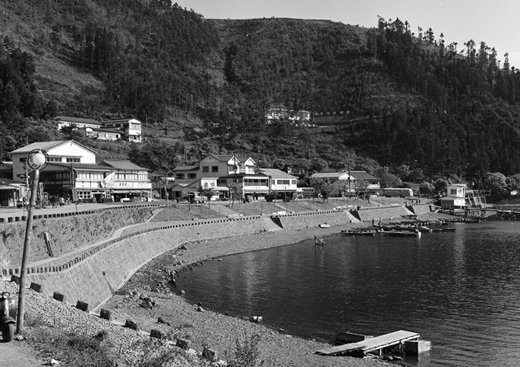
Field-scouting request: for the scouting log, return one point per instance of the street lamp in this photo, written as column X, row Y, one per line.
column 36, row 160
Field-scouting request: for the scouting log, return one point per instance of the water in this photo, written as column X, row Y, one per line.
column 460, row 290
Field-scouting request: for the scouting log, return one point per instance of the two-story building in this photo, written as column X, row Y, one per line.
column 63, row 151
column 72, row 172
column 130, row 128
column 127, row 181
column 77, row 122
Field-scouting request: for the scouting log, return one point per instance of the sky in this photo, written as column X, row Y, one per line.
column 459, row 20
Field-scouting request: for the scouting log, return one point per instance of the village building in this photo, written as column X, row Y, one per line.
column 77, row 122
column 73, row 173
column 130, row 128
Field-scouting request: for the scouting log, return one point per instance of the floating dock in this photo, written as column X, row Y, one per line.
column 372, row 344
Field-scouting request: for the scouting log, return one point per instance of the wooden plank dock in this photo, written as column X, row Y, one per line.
column 371, row 344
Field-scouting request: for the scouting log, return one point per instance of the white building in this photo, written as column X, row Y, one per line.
column 67, row 151
column 130, row 128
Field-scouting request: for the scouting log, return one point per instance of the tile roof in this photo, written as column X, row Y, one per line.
column 77, row 119
column 124, row 165
column 276, row 173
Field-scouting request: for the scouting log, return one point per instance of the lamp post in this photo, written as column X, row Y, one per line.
column 36, row 160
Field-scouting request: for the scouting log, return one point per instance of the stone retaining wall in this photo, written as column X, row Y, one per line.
column 94, row 275
column 93, row 279
column 66, row 233
column 377, row 213
column 314, row 219
column 420, row 209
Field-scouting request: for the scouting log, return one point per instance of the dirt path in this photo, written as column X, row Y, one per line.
column 18, row 354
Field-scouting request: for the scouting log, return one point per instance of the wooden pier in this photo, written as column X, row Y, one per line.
column 372, row 344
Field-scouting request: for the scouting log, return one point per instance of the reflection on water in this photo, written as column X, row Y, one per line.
column 460, row 290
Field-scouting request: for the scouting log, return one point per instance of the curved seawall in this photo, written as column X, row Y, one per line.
column 94, row 275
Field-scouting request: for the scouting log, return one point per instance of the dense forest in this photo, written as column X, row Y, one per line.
column 382, row 98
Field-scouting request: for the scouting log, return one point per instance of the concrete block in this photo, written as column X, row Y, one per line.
column 83, row 306
column 417, row 347
column 183, row 343
column 209, row 354
column 36, row 287
column 131, row 325
column 105, row 314
column 157, row 334
column 58, row 297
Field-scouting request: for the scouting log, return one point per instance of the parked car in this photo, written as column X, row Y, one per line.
column 194, row 197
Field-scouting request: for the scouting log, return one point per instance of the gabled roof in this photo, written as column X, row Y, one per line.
column 335, row 175
column 124, row 165
column 276, row 173
column 48, row 145
column 362, row 175
column 77, row 120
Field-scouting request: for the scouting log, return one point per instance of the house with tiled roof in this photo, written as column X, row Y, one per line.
column 78, row 122
column 64, row 151
column 127, row 181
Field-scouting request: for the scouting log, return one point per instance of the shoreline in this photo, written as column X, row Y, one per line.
column 219, row 331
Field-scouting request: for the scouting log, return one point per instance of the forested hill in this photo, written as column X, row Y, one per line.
column 380, row 96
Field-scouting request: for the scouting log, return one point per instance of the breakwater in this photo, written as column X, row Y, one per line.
column 94, row 275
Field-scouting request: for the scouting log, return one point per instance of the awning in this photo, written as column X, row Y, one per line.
column 220, row 188
column 8, row 187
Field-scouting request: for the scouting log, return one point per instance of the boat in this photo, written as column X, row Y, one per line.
column 368, row 232
column 324, row 225
column 451, row 229
column 401, row 233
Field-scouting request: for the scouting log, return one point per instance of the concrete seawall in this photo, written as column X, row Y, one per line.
column 93, row 277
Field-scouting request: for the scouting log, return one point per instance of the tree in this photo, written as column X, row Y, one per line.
column 206, row 192
column 441, row 185
column 496, row 183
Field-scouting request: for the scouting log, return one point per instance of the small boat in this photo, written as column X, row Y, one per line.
column 451, row 229
column 368, row 232
column 401, row 233
column 324, row 225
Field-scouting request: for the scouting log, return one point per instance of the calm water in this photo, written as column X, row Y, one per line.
column 460, row 290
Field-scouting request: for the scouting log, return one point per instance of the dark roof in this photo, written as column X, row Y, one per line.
column 186, row 168
column 276, row 173
column 77, row 166
column 362, row 175
column 125, row 165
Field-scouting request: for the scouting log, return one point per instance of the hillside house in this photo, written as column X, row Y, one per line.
column 77, row 122
column 130, row 128
column 276, row 112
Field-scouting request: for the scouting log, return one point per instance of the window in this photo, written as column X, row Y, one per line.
column 205, row 169
column 283, row 182
column 192, row 176
column 453, row 192
column 22, row 160
column 293, row 182
column 73, row 160
column 55, row 159
column 214, row 169
column 179, row 176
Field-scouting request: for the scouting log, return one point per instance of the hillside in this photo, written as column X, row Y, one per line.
column 379, row 97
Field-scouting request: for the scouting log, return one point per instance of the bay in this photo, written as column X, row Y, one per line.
column 460, row 290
